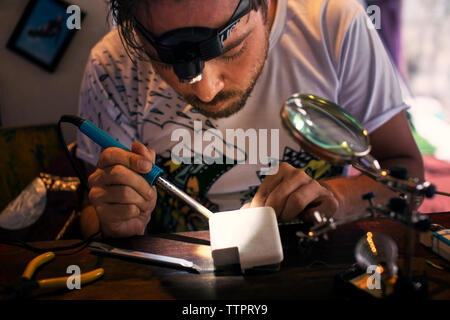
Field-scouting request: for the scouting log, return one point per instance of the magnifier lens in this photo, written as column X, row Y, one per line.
column 326, row 126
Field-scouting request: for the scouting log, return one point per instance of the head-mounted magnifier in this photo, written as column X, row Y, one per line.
column 187, row 49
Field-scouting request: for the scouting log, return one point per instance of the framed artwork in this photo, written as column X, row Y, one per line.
column 42, row 35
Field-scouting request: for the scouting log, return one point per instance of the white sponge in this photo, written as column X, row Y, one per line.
column 249, row 237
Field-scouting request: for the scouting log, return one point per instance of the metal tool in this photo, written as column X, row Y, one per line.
column 165, row 184
column 154, row 177
column 165, row 260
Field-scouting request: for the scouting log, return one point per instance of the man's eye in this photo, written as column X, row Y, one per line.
column 234, row 56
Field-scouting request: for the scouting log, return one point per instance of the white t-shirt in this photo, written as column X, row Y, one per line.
column 320, row 47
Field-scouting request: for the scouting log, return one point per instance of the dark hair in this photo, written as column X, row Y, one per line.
column 124, row 11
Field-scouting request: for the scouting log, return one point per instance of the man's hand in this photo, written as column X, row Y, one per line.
column 291, row 192
column 122, row 198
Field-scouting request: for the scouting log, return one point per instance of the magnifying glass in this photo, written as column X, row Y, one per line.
column 329, row 132
column 324, row 129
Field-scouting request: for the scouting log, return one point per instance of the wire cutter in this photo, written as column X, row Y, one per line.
column 24, row 286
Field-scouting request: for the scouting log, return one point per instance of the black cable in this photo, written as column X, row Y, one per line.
column 27, row 246
column 436, row 213
column 67, row 152
column 83, row 243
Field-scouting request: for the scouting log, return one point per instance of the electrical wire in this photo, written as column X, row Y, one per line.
column 69, row 156
column 29, row 247
column 78, row 245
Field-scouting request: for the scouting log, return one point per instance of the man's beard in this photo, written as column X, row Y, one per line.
column 238, row 98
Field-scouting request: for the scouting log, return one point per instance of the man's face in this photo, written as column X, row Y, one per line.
column 228, row 79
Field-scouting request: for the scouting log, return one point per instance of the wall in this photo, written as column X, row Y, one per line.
column 30, row 95
column 426, row 27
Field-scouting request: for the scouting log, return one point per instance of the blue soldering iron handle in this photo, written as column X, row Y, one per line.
column 106, row 141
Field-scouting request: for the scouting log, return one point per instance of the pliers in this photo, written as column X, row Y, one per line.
column 24, row 286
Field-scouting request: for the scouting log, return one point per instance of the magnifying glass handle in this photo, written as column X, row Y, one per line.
column 443, row 193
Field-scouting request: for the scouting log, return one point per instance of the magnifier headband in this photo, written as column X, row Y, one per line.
column 186, row 49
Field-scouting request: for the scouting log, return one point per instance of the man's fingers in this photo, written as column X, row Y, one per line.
column 120, row 194
column 275, row 190
column 246, row 205
column 121, row 220
column 265, row 189
column 142, row 150
column 308, row 198
column 117, row 213
column 122, row 198
column 295, row 203
column 116, row 156
column 121, row 175
column 324, row 205
column 278, row 196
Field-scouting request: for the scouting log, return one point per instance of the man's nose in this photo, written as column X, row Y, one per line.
column 211, row 84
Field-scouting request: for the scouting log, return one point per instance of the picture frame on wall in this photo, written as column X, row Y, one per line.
column 41, row 35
